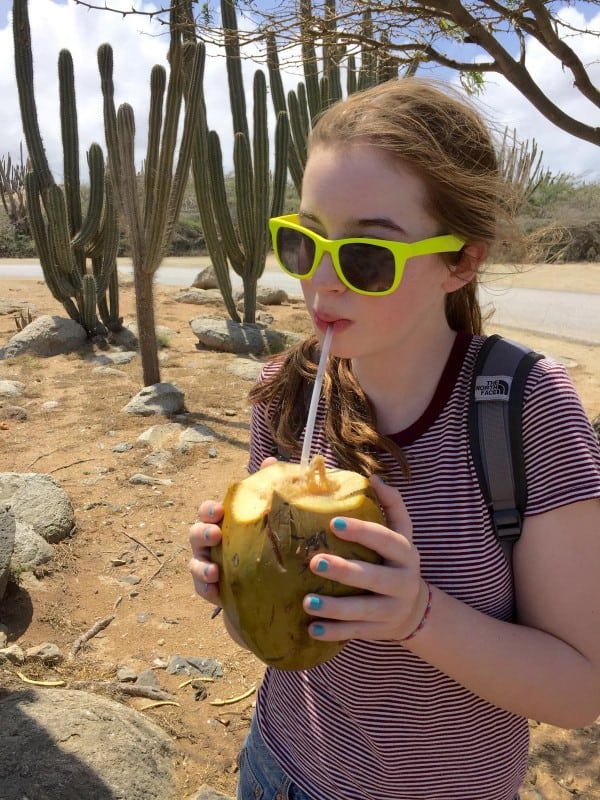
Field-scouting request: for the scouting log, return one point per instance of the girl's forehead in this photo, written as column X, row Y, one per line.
column 360, row 181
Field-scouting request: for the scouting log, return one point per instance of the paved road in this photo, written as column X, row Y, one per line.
column 568, row 315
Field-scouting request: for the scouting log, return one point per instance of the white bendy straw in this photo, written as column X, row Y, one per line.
column 314, row 400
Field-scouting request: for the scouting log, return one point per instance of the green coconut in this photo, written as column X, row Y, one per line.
column 274, row 522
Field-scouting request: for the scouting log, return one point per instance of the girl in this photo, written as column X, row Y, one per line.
column 450, row 652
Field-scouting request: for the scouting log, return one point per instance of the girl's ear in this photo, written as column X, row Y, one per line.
column 470, row 258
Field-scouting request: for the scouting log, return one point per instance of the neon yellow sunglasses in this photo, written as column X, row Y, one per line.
column 366, row 266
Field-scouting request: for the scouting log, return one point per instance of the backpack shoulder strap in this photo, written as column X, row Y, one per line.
column 495, row 411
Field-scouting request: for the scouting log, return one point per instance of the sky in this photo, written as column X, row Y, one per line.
column 138, row 45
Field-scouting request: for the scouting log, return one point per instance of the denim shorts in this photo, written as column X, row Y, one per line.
column 261, row 777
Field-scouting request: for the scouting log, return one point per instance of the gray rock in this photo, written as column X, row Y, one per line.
column 196, row 434
column 174, row 434
column 199, row 297
column 159, row 436
column 46, row 336
column 11, row 388
column 225, row 335
column 148, row 678
column 122, row 447
column 14, row 413
column 39, row 501
column 15, row 306
column 158, row 459
column 126, row 675
column 265, row 295
column 190, row 665
column 15, row 655
column 7, row 545
column 48, row 652
column 147, row 480
column 206, row 279
column 160, row 398
column 60, row 744
column 31, row 549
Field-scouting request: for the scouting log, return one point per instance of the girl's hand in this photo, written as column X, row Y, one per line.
column 204, row 534
column 397, row 597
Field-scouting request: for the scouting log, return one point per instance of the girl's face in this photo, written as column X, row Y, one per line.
column 357, row 191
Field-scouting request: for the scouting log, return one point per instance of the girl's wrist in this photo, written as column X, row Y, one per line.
column 422, row 620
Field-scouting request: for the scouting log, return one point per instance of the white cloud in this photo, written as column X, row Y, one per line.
column 138, row 45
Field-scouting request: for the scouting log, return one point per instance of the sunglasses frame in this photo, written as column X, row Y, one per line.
column 401, row 251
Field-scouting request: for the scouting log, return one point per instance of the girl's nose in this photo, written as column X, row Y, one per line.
column 325, row 278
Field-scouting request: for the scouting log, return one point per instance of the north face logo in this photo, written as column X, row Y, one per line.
column 492, row 387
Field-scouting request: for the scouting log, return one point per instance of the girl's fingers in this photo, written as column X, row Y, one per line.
column 360, row 607
column 210, row 511
column 203, row 535
column 393, row 546
column 327, row 630
column 395, row 511
column 205, row 577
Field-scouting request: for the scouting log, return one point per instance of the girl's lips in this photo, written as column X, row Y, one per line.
column 322, row 323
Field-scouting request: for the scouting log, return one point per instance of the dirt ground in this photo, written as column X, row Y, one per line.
column 124, row 530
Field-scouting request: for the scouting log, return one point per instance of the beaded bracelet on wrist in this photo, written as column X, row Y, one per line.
column 424, row 618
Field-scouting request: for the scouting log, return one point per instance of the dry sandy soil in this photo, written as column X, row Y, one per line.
column 146, row 527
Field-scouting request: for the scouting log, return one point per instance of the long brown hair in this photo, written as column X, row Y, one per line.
column 428, row 127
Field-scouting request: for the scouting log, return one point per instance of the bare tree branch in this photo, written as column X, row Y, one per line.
column 428, row 31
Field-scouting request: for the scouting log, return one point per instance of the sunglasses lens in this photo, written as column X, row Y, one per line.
column 368, row 267
column 295, row 250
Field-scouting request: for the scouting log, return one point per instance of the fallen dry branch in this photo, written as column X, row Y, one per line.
column 141, row 544
column 130, row 689
column 85, row 637
column 71, row 464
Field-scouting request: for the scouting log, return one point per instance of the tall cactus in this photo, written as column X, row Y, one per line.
column 12, row 193
column 322, row 84
column 151, row 210
column 64, row 240
column 241, row 240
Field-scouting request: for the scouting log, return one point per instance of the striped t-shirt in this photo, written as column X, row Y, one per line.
column 377, row 722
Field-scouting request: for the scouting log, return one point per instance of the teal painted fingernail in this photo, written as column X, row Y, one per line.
column 322, row 565
column 206, row 533
column 318, row 629
column 339, row 524
column 211, row 511
column 205, row 570
column 315, row 603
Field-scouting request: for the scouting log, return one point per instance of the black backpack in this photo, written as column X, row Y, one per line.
column 495, row 410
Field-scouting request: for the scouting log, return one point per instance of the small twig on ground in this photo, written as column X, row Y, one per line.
column 133, row 690
column 85, row 637
column 141, row 544
column 163, row 563
column 37, row 458
column 71, row 464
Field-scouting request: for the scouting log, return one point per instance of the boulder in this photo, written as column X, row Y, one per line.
column 46, row 336
column 60, row 744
